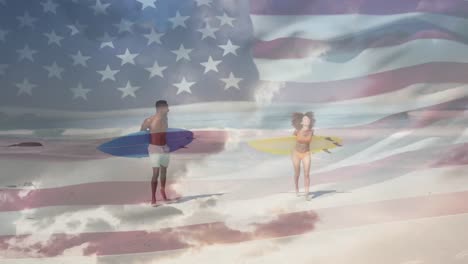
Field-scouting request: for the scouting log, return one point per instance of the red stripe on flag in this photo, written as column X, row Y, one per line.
column 298, row 48
column 374, row 84
column 371, row 7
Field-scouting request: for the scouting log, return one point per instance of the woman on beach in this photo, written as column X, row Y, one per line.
column 303, row 124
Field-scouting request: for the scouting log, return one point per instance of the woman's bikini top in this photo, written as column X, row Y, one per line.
column 304, row 139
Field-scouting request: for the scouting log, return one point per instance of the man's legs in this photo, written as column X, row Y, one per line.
column 164, row 163
column 154, row 184
column 163, row 182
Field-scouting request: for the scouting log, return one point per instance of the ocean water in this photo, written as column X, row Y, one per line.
column 270, row 117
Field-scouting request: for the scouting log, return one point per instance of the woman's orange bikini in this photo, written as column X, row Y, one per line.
column 302, row 149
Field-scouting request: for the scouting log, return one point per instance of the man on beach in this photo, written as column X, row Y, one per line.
column 158, row 150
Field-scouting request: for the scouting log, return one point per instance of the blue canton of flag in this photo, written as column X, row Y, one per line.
column 104, row 55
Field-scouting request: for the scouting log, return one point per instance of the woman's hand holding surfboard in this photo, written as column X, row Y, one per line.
column 285, row 145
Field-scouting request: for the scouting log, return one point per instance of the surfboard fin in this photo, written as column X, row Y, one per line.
column 333, row 141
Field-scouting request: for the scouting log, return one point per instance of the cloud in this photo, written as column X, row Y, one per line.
column 265, row 92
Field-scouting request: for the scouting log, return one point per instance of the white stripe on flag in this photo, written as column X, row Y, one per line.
column 331, row 27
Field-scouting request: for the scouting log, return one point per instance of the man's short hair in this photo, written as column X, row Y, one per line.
column 161, row 103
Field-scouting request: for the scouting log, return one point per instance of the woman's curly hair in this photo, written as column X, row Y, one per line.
column 297, row 119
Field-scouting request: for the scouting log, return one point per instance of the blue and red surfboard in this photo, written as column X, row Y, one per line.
column 135, row 145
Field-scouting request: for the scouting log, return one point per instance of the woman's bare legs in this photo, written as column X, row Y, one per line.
column 306, row 163
column 297, row 167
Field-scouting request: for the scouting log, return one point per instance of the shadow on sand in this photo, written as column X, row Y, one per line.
column 317, row 194
column 184, row 199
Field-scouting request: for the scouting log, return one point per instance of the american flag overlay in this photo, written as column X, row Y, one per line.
column 389, row 78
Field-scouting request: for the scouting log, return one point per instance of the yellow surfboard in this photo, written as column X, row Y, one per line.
column 284, row 145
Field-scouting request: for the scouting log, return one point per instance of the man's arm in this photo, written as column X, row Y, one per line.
column 145, row 124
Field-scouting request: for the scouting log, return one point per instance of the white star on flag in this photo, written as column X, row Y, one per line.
column 184, row 86
column 229, row 48
column 127, row 57
column 26, row 53
column 147, row 3
column 128, row 90
column 108, row 74
column 79, row 59
column 226, row 20
column 182, row 53
column 76, row 28
column 26, row 20
column 124, row 26
column 100, row 8
column 231, row 81
column 80, row 92
column 53, row 38
column 49, row 6
column 178, row 20
column 156, row 70
column 25, row 87
column 106, row 41
column 54, row 71
column 208, row 31
column 153, row 37
column 204, row 2
column 211, row 65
